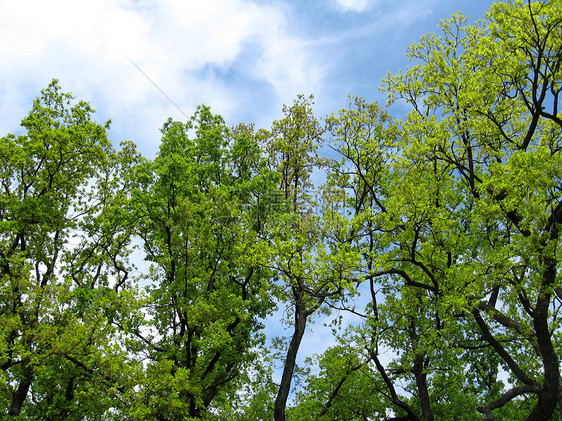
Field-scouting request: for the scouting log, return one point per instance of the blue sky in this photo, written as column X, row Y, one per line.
column 243, row 58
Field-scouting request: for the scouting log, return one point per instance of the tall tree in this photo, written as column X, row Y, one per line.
column 367, row 174
column 485, row 103
column 201, row 211
column 62, row 262
column 457, row 212
column 312, row 265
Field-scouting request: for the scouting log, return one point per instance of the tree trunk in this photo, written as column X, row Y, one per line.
column 20, row 394
column 290, row 363
column 421, row 383
column 548, row 396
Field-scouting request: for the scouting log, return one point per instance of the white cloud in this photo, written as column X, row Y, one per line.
column 244, row 58
column 353, row 5
column 175, row 42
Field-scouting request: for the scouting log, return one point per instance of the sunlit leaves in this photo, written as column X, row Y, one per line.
column 62, row 249
column 201, row 211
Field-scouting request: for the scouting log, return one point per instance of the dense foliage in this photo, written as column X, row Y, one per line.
column 135, row 288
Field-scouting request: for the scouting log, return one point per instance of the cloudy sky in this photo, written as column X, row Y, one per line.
column 139, row 62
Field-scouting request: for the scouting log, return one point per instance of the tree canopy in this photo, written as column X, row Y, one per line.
column 135, row 288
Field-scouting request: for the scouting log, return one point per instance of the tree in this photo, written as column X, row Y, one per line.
column 62, row 263
column 448, row 223
column 400, row 318
column 456, row 211
column 485, row 101
column 341, row 389
column 201, row 212
column 312, row 265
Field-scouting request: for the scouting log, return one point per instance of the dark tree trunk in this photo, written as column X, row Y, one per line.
column 20, row 394
column 290, row 363
column 421, row 383
column 548, row 396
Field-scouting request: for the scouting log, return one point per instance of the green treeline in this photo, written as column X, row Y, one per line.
column 447, row 223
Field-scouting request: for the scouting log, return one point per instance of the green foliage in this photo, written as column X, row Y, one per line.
column 446, row 224
column 312, row 263
column 200, row 208
column 60, row 254
column 456, row 211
